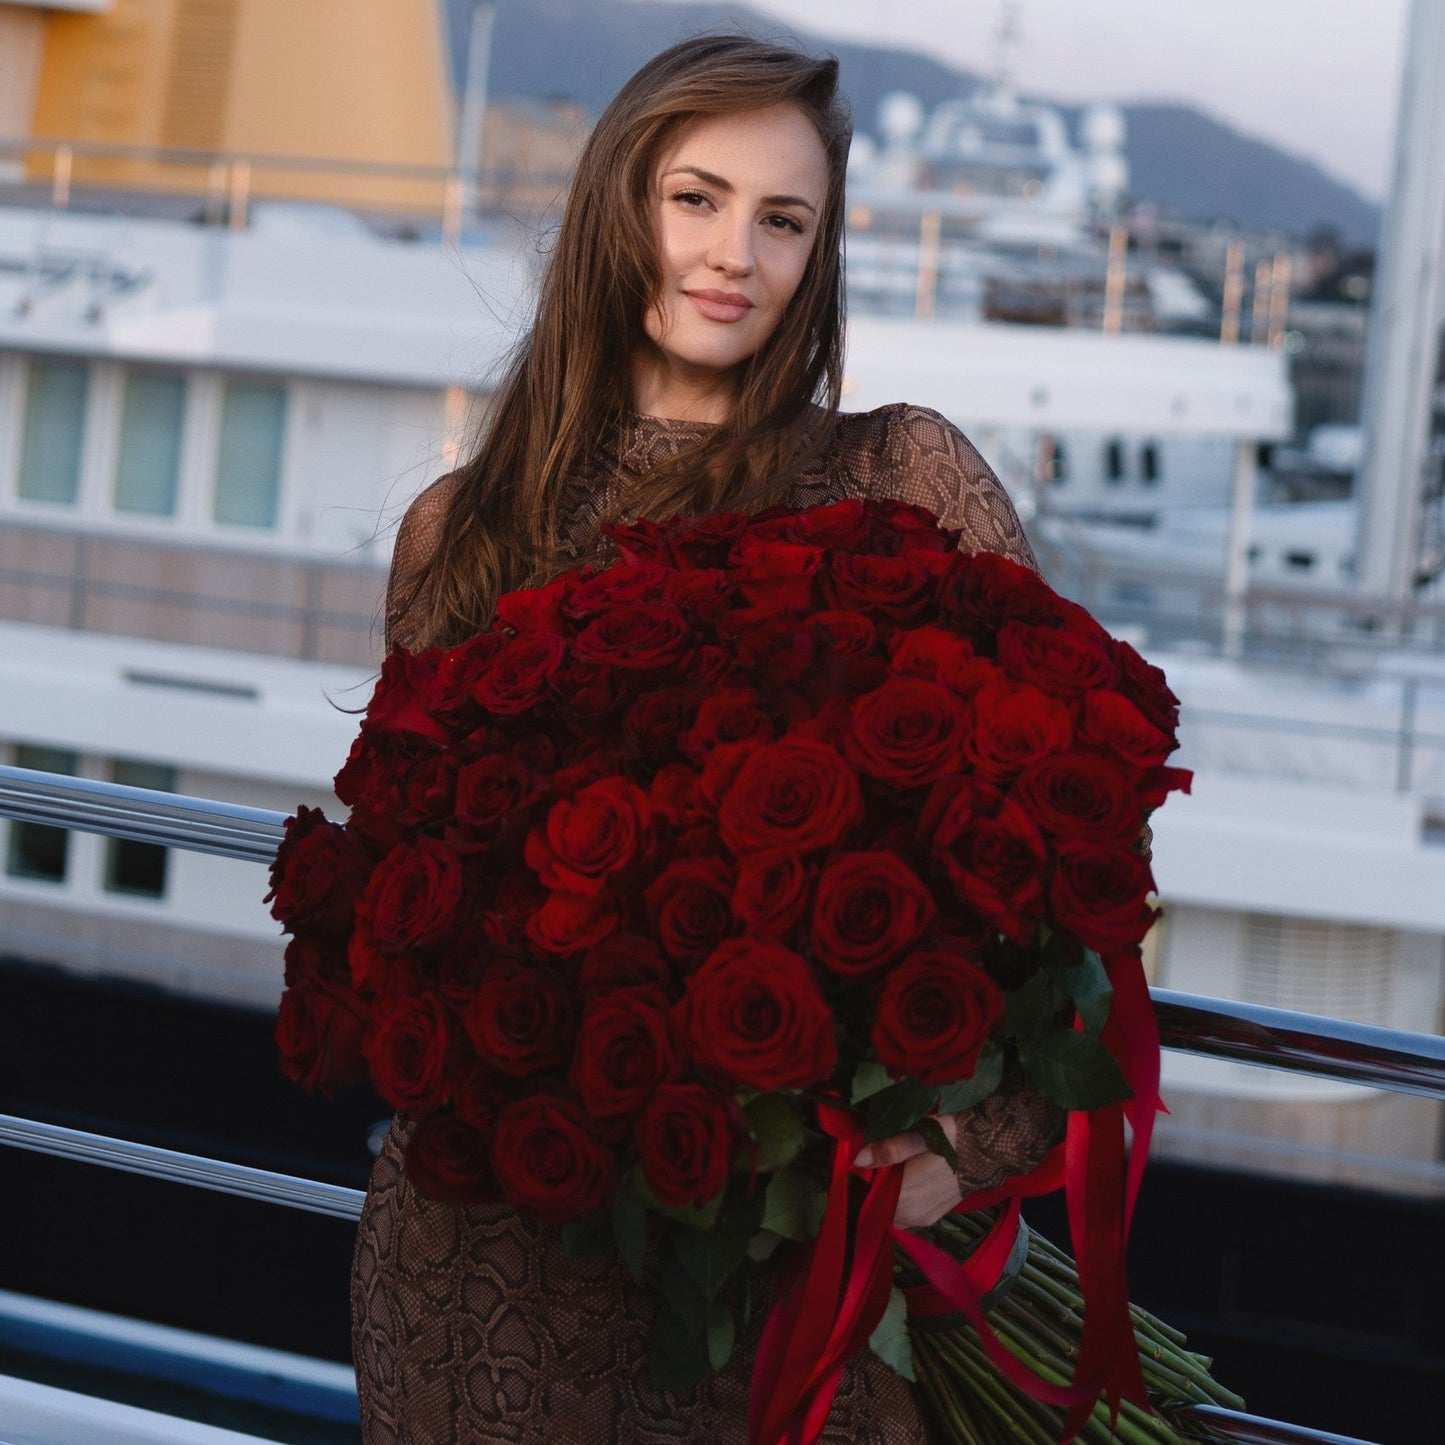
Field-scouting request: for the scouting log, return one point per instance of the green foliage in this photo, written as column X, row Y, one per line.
column 777, row 1128
column 890, row 1340
column 1072, row 1069
column 898, row 1108
column 793, row 1205
column 986, row 1077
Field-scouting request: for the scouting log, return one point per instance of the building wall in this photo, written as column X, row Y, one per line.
column 22, row 43
column 325, row 79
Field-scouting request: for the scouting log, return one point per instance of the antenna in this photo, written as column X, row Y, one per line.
column 1006, row 36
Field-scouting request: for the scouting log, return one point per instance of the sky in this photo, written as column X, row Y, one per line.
column 1319, row 78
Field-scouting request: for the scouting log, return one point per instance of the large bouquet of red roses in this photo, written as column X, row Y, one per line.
column 784, row 830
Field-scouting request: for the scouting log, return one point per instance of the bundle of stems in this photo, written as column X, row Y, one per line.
column 1039, row 1317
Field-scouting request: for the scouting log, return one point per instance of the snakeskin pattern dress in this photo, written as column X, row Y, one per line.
column 470, row 1326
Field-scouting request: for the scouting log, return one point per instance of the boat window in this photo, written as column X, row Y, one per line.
column 132, row 867
column 1149, row 462
column 1061, row 462
column 37, row 850
column 1300, row 561
column 148, row 460
column 248, row 459
column 1114, row 461
column 55, row 393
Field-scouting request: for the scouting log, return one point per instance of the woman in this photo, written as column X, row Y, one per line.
column 686, row 355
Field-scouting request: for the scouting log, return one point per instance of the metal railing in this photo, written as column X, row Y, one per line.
column 1383, row 1058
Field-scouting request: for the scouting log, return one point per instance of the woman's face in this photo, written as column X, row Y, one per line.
column 736, row 204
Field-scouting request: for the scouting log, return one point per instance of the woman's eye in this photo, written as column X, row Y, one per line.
column 690, row 198
column 784, row 223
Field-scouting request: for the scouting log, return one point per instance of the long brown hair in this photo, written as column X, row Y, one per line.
column 568, row 387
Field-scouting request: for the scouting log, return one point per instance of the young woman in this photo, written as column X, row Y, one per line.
column 686, row 356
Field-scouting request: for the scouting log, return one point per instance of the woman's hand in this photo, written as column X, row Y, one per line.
column 930, row 1188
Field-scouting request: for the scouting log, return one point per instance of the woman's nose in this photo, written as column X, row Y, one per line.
column 731, row 251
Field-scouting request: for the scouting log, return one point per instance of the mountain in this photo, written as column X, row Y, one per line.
column 1183, row 160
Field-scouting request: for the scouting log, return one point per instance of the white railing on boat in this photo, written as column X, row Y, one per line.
column 1368, row 1055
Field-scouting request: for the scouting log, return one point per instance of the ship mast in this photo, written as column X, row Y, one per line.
column 1403, row 405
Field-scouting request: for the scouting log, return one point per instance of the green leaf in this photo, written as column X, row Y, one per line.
column 937, row 1141
column 776, row 1126
column 763, row 1245
column 870, row 1078
column 890, row 1340
column 794, row 1205
column 720, row 1335
column 1083, row 978
column 680, row 1292
column 587, row 1237
column 898, row 1107
column 1073, row 1070
column 629, row 1225
column 1028, row 1008
column 711, row 1255
column 677, row 1358
column 986, row 1077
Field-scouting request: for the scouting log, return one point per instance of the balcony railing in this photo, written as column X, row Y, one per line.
column 1381, row 1058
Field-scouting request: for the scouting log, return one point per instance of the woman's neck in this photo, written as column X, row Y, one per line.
column 662, row 388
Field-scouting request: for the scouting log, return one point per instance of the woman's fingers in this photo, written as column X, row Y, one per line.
column 929, row 1192
column 900, row 1148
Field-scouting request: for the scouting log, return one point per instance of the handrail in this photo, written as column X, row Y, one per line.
column 156, row 1162
column 1394, row 1059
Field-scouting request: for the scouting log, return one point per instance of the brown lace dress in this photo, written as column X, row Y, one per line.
column 470, row 1326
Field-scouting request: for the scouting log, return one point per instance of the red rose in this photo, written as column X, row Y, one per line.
column 794, row 793
column 320, row 868
column 774, row 644
column 516, row 679
column 1110, row 721
column 586, row 694
column 405, row 694
column 316, row 958
column 520, row 1020
column 319, row 1032
column 731, row 715
column 1098, row 893
column 954, row 805
column 906, row 732
column 412, row 898
column 478, row 1095
column 843, row 525
column 538, row 609
column 690, row 905
column 623, row 583
column 776, row 575
column 1061, row 662
column 407, row 1049
column 1080, row 795
column 587, row 839
column 1157, row 783
column 589, row 760
column 569, row 922
column 653, row 726
column 845, row 634
column 686, row 1141
column 1013, row 724
column 935, row 1013
column 869, row 909
column 754, row 1014
column 621, row 960
column 677, row 797
column 625, row 1050
column 702, row 595
column 904, row 526
column 640, row 541
column 942, row 657
column 447, row 1159
column 771, row 895
column 457, row 671
column 491, row 790
column 428, row 792
column 983, row 591
column 997, row 866
column 547, row 1162
column 891, row 588
column 1144, row 685
column 703, row 542
column 636, row 636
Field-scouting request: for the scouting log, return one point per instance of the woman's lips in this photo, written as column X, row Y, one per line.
column 720, row 305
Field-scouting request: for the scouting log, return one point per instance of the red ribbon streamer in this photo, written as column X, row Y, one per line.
column 801, row 1355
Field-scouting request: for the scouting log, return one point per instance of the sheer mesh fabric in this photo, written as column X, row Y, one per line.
column 470, row 1324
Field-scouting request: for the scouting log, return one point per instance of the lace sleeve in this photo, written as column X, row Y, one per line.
column 416, row 540
column 1008, row 1133
column 932, row 463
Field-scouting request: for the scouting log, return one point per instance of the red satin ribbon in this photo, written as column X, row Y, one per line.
column 833, row 1297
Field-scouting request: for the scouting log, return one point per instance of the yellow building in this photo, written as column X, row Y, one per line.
column 200, row 92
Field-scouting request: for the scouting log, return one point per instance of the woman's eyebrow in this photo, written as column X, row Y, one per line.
column 707, row 178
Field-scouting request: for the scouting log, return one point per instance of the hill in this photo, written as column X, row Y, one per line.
column 1180, row 158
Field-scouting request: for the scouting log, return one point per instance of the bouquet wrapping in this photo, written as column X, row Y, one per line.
column 661, row 898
